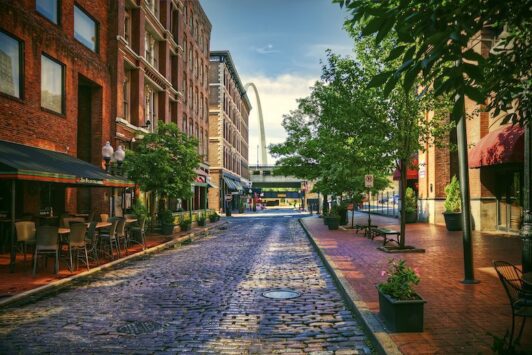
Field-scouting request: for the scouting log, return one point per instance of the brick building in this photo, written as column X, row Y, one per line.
column 495, row 167
column 160, row 67
column 229, row 109
column 55, row 95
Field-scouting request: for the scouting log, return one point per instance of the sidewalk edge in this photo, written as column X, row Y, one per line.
column 379, row 337
column 55, row 285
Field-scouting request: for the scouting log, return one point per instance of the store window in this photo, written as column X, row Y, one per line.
column 85, row 29
column 52, row 84
column 11, row 64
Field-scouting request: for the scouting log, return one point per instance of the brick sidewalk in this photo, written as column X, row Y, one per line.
column 457, row 317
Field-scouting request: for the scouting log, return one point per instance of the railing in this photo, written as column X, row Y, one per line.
column 384, row 203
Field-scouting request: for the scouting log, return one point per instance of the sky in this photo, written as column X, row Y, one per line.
column 278, row 45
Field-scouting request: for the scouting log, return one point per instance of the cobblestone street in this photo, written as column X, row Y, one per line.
column 203, row 297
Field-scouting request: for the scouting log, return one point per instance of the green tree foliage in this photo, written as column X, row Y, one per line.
column 432, row 43
column 164, row 162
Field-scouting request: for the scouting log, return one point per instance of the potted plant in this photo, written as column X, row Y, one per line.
column 342, row 212
column 410, row 206
column 202, row 219
column 453, row 206
column 167, row 222
column 213, row 217
column 184, row 223
column 333, row 219
column 399, row 305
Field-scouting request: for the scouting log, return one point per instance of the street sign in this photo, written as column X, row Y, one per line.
column 228, row 197
column 368, row 181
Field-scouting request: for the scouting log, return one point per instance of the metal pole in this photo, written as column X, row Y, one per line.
column 369, row 210
column 13, row 255
column 461, row 132
column 526, row 230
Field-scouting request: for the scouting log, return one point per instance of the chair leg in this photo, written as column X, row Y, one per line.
column 34, row 262
column 518, row 340
column 71, row 266
column 87, row 258
column 56, row 262
column 512, row 331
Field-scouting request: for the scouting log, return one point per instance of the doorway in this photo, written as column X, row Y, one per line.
column 509, row 201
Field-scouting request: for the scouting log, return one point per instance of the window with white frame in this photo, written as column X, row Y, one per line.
column 153, row 6
column 151, row 49
column 150, row 105
column 127, row 25
column 127, row 95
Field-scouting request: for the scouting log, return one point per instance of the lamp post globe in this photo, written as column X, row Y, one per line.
column 107, row 153
column 120, row 155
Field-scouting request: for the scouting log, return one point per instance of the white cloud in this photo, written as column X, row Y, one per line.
column 268, row 49
column 278, row 96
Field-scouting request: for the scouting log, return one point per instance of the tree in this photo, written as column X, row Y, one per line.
column 164, row 163
column 434, row 40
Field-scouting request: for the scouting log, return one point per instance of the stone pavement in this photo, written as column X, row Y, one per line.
column 457, row 316
column 203, row 297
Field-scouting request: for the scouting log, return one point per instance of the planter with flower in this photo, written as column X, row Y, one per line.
column 333, row 219
column 410, row 206
column 166, row 218
column 202, row 219
column 400, row 306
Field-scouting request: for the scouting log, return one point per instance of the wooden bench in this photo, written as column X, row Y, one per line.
column 365, row 228
column 389, row 235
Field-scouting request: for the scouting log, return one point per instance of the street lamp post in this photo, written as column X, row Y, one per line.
column 107, row 153
column 526, row 230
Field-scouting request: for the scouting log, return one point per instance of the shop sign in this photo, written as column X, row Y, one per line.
column 90, row 181
column 368, row 181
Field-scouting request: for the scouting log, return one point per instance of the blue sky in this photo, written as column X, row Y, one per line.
column 278, row 45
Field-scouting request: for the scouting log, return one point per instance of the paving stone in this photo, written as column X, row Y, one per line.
column 204, row 297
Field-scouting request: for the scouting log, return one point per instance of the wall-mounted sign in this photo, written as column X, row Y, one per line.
column 368, row 181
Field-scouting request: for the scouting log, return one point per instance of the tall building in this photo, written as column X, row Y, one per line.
column 55, row 112
column 160, row 67
column 229, row 109
column 495, row 167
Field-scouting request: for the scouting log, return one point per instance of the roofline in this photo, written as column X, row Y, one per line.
column 234, row 73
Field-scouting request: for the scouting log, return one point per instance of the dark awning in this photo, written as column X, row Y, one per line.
column 22, row 162
column 229, row 183
column 501, row 146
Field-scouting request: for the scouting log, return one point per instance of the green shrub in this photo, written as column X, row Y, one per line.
column 213, row 217
column 184, row 223
column 166, row 217
column 139, row 209
column 202, row 219
column 453, row 196
column 410, row 200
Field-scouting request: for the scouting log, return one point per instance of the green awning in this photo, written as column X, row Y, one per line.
column 22, row 162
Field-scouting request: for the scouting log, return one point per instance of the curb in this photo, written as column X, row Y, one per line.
column 377, row 334
column 55, row 285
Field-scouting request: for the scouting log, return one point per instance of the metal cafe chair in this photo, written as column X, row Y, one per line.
column 109, row 237
column 77, row 243
column 25, row 235
column 46, row 243
column 137, row 233
column 121, row 234
column 104, row 217
column 92, row 241
column 520, row 298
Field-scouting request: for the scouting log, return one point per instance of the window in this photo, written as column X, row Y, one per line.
column 127, row 26
column 11, row 54
column 49, row 9
column 153, row 5
column 150, row 105
column 151, row 49
column 52, row 84
column 126, row 94
column 184, row 127
column 85, row 29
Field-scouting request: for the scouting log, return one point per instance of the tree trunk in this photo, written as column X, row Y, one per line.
column 402, row 193
column 153, row 208
column 325, row 208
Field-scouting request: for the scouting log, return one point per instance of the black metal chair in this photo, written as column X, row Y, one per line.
column 520, row 296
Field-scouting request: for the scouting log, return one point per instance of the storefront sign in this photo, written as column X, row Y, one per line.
column 89, row 181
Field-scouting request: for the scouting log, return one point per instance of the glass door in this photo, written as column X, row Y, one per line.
column 509, row 201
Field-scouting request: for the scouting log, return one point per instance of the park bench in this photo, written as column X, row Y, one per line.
column 365, row 228
column 389, row 235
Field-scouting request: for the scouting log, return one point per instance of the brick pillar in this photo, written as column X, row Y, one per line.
column 137, row 97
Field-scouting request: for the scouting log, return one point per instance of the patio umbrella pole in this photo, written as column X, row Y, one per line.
column 526, row 229
column 13, row 239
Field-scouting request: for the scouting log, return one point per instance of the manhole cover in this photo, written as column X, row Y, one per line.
column 281, row 294
column 139, row 327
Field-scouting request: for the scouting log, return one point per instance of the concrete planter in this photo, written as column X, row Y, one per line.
column 453, row 221
column 333, row 222
column 401, row 315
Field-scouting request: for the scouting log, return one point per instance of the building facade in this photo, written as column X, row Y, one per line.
column 229, row 109
column 495, row 167
column 55, row 95
column 160, row 74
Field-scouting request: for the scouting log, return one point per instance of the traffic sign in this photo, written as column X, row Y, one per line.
column 368, row 181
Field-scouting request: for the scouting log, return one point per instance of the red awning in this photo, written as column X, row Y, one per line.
column 502, row 146
column 411, row 171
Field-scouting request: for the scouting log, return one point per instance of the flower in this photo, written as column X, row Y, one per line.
column 383, row 273
column 400, row 282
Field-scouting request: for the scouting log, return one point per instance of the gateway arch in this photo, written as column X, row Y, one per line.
column 264, row 155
